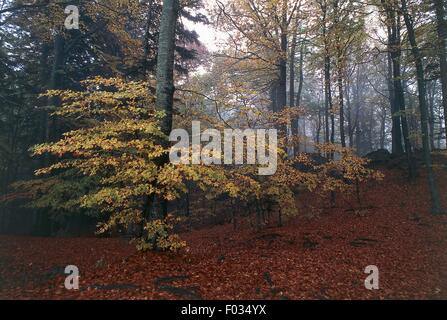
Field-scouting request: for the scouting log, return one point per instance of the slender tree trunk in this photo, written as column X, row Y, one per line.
column 165, row 88
column 442, row 36
column 43, row 102
column 319, row 125
column 282, row 87
column 400, row 99
column 273, row 96
column 349, row 117
column 43, row 78
column 292, row 74
column 327, row 76
column 382, row 128
column 394, row 48
column 147, row 34
column 436, row 201
column 340, row 70
column 397, row 99
column 295, row 125
column 299, row 94
column 57, row 72
column 341, row 105
column 294, row 122
column 431, row 105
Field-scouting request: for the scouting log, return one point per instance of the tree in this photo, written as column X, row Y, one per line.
column 442, row 53
column 116, row 38
column 255, row 35
column 165, row 90
column 396, row 92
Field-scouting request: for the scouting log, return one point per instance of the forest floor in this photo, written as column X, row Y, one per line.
column 323, row 257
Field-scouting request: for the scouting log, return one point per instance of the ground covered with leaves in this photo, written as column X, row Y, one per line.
column 319, row 255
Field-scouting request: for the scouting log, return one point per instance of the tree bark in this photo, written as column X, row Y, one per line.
column 436, row 202
column 349, row 116
column 299, row 94
column 431, row 87
column 329, row 114
column 165, row 89
column 294, row 122
column 342, row 109
column 442, row 35
column 394, row 48
column 282, row 86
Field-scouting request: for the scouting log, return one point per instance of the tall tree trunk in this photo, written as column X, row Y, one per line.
column 294, row 122
column 340, row 76
column 442, row 35
column 431, row 87
column 349, row 116
column 394, row 48
column 318, row 125
column 299, row 94
column 327, row 75
column 56, row 77
column 43, row 102
column 400, row 98
column 382, row 128
column 341, row 105
column 297, row 102
column 51, row 130
column 282, row 86
column 328, row 99
column 436, row 202
column 292, row 73
column 273, row 96
column 165, row 88
column 357, row 126
column 147, row 34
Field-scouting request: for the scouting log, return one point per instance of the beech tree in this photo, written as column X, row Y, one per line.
column 165, row 89
column 440, row 9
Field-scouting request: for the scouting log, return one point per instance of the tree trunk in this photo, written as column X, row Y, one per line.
column 341, row 105
column 299, row 94
column 394, row 48
column 400, row 98
column 43, row 102
column 442, row 35
column 431, row 87
column 327, row 75
column 318, row 125
column 52, row 128
column 436, row 202
column 294, row 122
column 165, row 89
column 282, row 87
column 349, row 116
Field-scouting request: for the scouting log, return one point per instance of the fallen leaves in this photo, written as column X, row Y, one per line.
column 319, row 258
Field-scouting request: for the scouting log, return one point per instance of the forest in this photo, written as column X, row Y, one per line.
column 223, row 149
